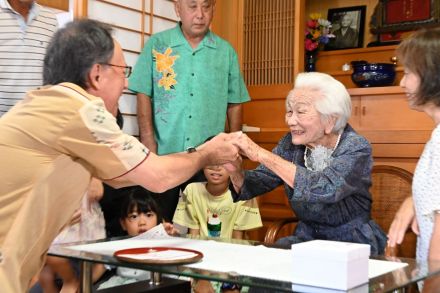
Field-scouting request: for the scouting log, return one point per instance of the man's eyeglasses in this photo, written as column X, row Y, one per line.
column 127, row 69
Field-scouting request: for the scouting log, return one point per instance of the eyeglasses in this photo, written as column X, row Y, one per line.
column 127, row 69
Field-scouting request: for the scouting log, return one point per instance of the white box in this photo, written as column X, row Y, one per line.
column 330, row 264
column 310, row 289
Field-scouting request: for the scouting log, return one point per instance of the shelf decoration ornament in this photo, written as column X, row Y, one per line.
column 317, row 34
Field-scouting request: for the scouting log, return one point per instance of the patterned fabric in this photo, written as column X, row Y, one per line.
column 196, row 205
column 333, row 204
column 90, row 227
column 190, row 88
column 426, row 192
column 22, row 48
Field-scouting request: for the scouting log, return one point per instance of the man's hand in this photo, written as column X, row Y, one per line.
column 220, row 149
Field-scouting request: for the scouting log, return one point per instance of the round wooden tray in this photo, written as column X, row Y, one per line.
column 159, row 255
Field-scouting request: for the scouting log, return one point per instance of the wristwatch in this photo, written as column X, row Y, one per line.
column 191, row 150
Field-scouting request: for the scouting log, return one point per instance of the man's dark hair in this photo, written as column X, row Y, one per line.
column 74, row 49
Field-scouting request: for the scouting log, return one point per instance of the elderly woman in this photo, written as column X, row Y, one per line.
column 324, row 164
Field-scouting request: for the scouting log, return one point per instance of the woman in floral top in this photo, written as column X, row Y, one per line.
column 324, row 164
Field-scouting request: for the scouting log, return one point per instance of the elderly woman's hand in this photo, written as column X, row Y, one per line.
column 234, row 166
column 404, row 217
column 247, row 147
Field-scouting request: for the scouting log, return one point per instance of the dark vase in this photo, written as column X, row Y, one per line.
column 310, row 61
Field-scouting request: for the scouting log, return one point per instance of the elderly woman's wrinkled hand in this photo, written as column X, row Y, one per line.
column 234, row 166
column 404, row 217
column 247, row 147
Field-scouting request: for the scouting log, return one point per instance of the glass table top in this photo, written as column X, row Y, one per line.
column 388, row 282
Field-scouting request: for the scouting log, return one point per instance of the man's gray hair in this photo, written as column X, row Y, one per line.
column 334, row 99
column 75, row 49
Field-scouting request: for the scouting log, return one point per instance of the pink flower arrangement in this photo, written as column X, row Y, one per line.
column 317, row 32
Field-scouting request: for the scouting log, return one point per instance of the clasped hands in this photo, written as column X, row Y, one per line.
column 235, row 145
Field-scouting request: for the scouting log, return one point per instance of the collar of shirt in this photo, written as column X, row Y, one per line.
column 179, row 39
column 33, row 12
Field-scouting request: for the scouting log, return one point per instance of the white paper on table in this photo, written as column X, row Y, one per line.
column 254, row 261
column 380, row 267
column 157, row 232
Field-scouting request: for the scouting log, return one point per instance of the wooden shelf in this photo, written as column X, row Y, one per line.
column 358, row 51
column 359, row 91
column 331, row 61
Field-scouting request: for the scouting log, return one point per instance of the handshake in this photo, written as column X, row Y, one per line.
column 226, row 149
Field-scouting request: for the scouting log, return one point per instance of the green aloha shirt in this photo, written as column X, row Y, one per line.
column 190, row 89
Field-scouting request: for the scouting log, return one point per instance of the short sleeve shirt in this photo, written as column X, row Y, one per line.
column 51, row 142
column 65, row 120
column 190, row 88
column 23, row 45
column 196, row 206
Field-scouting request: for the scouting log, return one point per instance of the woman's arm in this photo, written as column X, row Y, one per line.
column 348, row 173
column 402, row 220
column 282, row 168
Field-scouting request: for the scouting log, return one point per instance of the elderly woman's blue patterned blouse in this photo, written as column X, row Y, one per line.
column 332, row 204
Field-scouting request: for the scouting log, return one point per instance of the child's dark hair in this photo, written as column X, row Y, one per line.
column 141, row 201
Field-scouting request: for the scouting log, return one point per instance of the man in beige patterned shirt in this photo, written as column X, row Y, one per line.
column 59, row 136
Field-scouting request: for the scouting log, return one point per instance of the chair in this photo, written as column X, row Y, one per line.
column 277, row 228
column 390, row 186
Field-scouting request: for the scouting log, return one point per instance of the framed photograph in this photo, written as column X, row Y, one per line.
column 347, row 26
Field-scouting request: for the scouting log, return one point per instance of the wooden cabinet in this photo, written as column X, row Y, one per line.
column 397, row 133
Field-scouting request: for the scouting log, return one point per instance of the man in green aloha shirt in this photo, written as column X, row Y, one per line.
column 187, row 81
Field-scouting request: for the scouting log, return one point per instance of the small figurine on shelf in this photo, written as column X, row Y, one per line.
column 316, row 36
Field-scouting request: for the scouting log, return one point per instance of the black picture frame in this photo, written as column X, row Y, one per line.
column 353, row 35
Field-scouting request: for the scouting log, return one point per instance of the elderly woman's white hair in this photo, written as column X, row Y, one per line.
column 334, row 100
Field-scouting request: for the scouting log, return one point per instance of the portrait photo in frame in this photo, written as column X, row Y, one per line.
column 348, row 27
